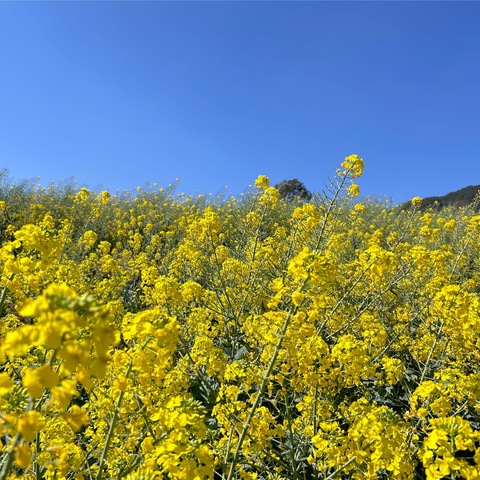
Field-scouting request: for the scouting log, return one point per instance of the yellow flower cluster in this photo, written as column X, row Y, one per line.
column 153, row 336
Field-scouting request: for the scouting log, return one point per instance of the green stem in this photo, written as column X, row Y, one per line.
column 8, row 460
column 111, row 428
column 292, row 442
column 3, row 298
column 36, row 468
column 431, row 352
column 259, row 396
column 338, row 470
column 329, row 210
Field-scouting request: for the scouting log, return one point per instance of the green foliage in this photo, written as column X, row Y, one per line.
column 465, row 197
column 293, row 189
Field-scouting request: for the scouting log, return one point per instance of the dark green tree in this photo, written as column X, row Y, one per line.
column 291, row 189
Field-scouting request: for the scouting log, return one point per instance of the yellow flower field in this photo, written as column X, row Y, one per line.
column 153, row 336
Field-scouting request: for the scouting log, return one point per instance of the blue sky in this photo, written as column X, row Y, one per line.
column 118, row 94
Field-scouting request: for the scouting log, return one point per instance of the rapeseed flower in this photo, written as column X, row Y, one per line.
column 241, row 338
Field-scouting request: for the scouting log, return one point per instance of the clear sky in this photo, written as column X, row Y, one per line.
column 118, row 94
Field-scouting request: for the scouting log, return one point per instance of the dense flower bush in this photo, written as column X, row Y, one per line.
column 153, row 336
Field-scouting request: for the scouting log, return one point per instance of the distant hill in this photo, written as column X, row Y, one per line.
column 460, row 198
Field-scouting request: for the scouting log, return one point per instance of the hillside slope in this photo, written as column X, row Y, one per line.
column 459, row 198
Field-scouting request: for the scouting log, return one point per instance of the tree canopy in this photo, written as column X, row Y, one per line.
column 291, row 189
